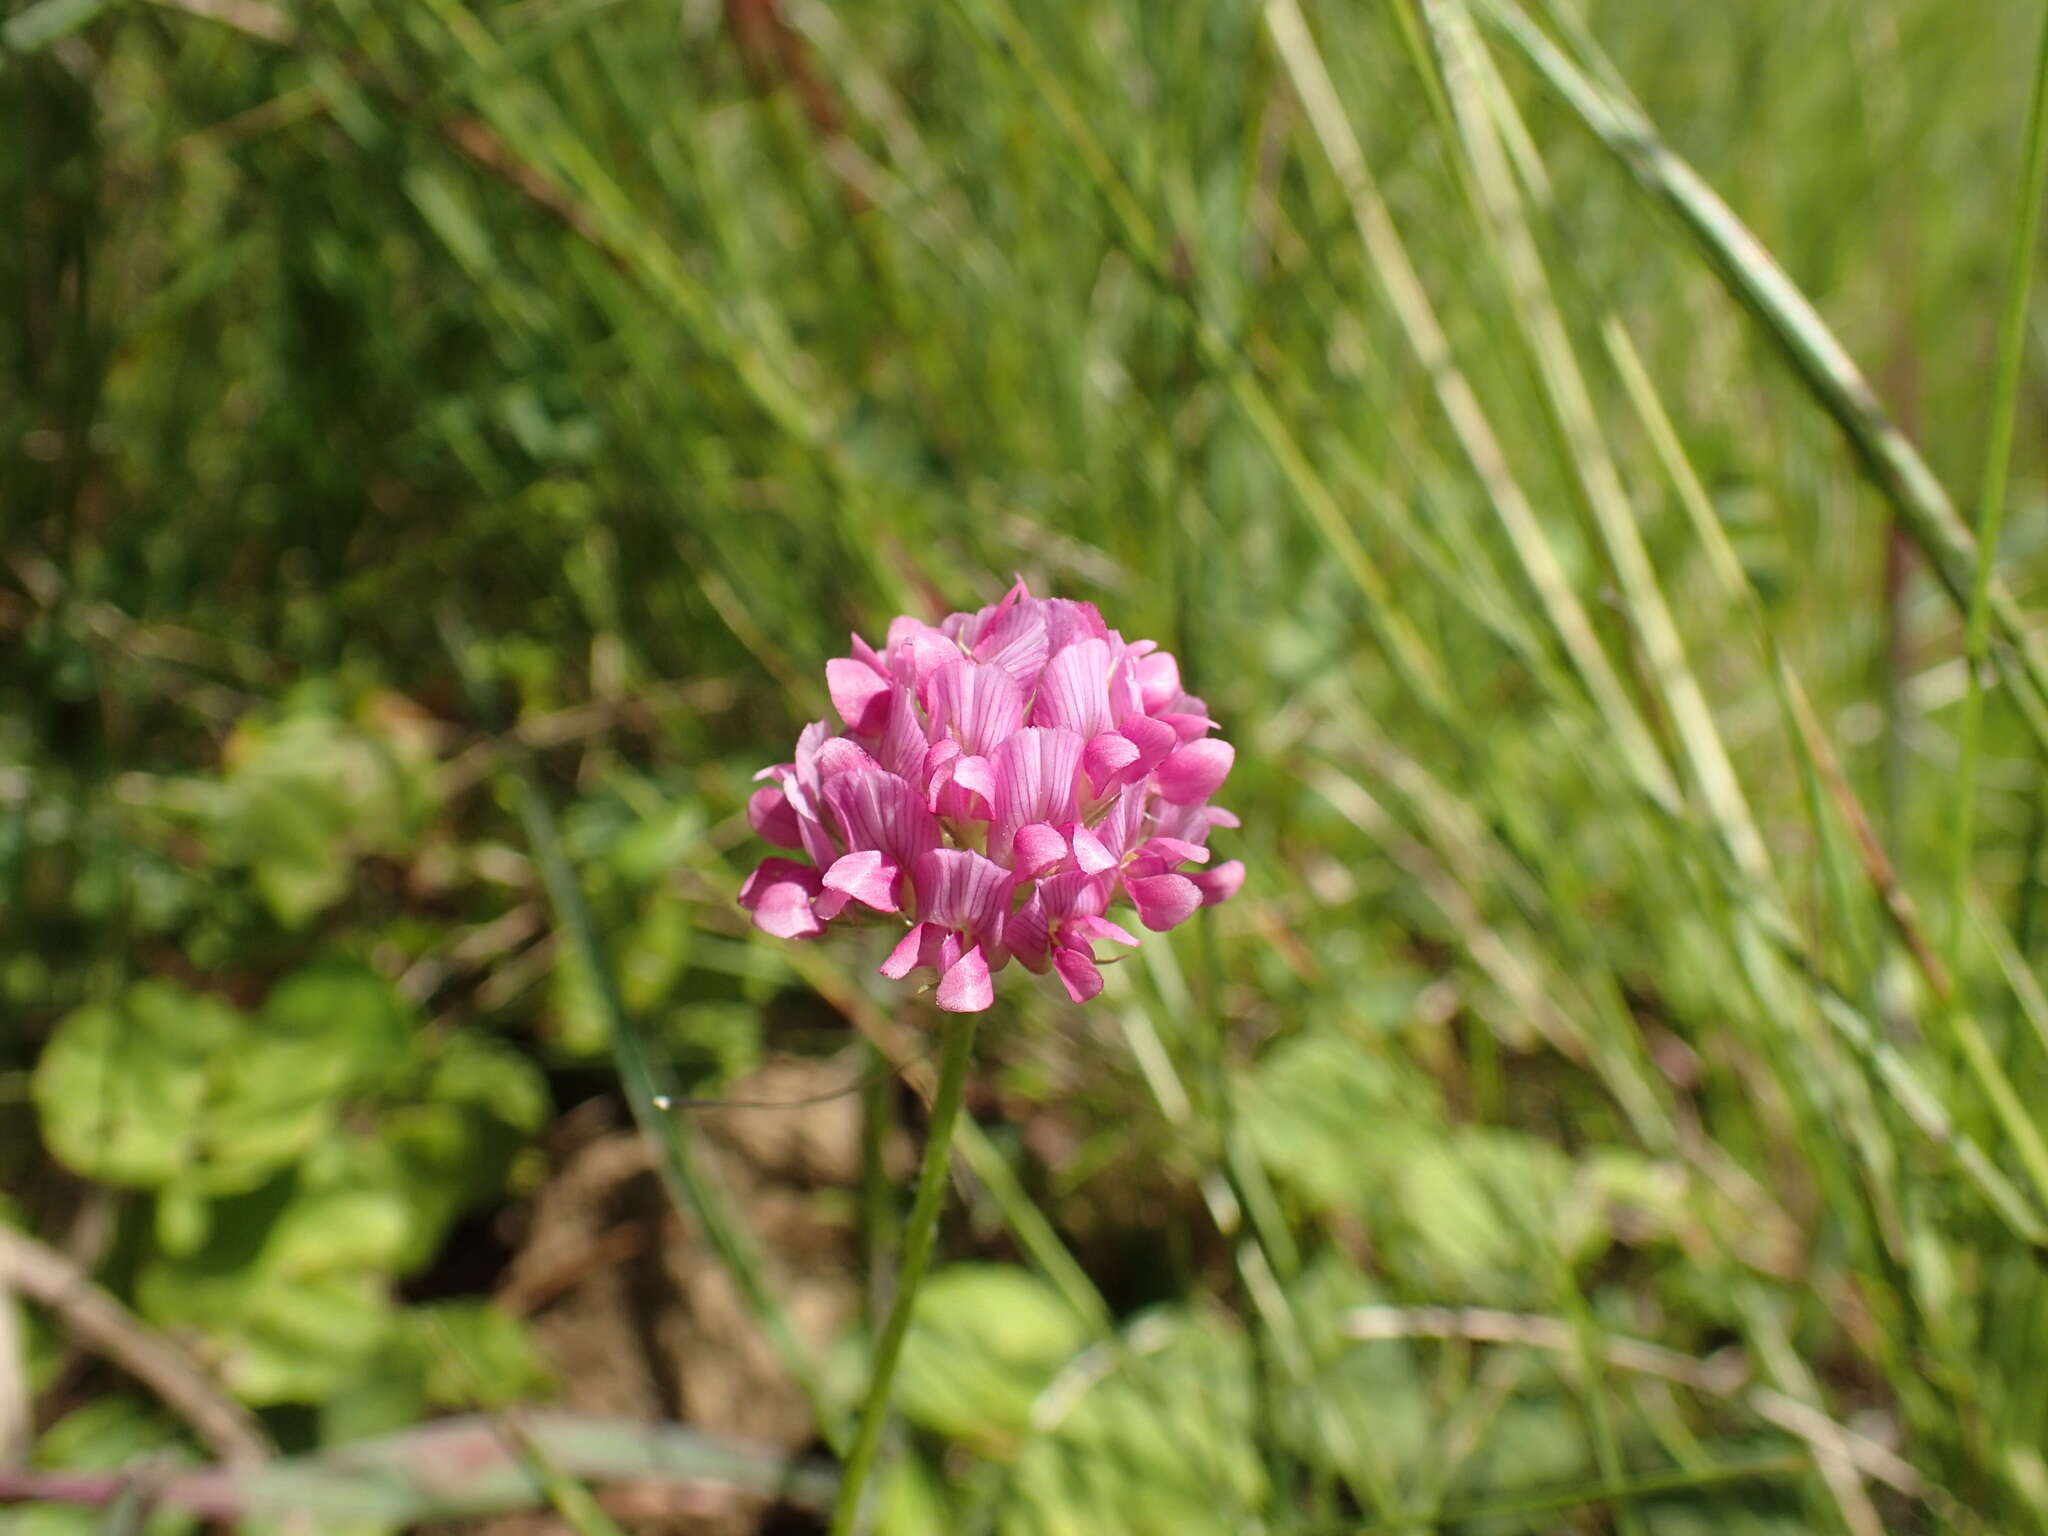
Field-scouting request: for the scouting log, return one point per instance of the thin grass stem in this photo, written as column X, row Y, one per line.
column 2012, row 343
column 1762, row 286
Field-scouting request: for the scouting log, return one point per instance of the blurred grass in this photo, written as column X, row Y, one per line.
column 1602, row 955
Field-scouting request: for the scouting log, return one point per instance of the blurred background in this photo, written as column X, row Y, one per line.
column 434, row 432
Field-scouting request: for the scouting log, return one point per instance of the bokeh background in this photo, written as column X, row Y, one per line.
column 431, row 430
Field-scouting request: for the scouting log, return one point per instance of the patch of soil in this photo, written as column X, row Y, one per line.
column 635, row 1315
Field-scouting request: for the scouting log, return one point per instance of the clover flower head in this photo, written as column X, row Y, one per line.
column 1005, row 780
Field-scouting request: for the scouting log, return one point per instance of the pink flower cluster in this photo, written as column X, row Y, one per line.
column 1002, row 781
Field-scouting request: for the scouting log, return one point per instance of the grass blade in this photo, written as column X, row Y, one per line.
column 674, row 1156
column 2012, row 341
column 1756, row 280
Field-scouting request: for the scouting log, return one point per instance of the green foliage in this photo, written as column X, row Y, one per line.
column 302, row 1156
column 1599, row 738
column 302, row 799
column 167, row 1089
column 108, row 1433
column 985, row 1341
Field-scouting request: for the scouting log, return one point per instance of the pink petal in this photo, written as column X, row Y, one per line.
column 966, row 987
column 771, row 816
column 1067, row 621
column 1220, row 883
column 1077, row 973
column 902, row 747
column 979, row 706
column 936, row 771
column 838, row 756
column 1158, row 680
column 1164, row 901
column 805, row 785
column 1190, row 823
column 977, row 774
column 1194, row 770
column 1089, row 853
column 915, row 650
column 1026, row 933
column 1071, row 893
column 1036, row 849
column 1120, row 827
column 959, row 889
column 1124, row 698
column 1073, row 690
column 779, row 895
column 1035, row 776
column 1153, row 739
column 1102, row 929
column 878, row 810
column 1188, row 725
column 1176, row 850
column 859, row 693
column 1014, row 639
column 965, row 787
column 771, row 872
column 903, row 959
column 1106, row 756
column 869, row 877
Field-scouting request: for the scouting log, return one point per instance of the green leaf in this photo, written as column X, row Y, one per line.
column 274, row 1336
column 122, row 1087
column 165, row 1086
column 294, row 846
column 111, row 1431
column 984, row 1341
column 1176, row 1455
column 345, row 1014
column 1484, row 1211
column 303, row 798
column 1329, row 1118
column 184, row 1219
column 490, row 1078
column 473, row 1355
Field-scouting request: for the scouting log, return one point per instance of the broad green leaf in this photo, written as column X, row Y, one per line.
column 1484, row 1209
column 344, row 1013
column 275, row 1337
column 295, row 846
column 908, row 1501
column 1177, row 1454
column 122, row 1088
column 1329, row 1117
column 984, row 1341
column 305, row 796
column 473, row 1070
column 166, row 1086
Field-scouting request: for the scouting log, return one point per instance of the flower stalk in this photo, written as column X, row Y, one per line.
column 957, row 1051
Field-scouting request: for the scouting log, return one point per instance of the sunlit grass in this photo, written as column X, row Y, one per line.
column 1504, row 409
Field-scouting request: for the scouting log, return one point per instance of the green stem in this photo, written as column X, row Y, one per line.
column 917, row 1248
column 1997, row 462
